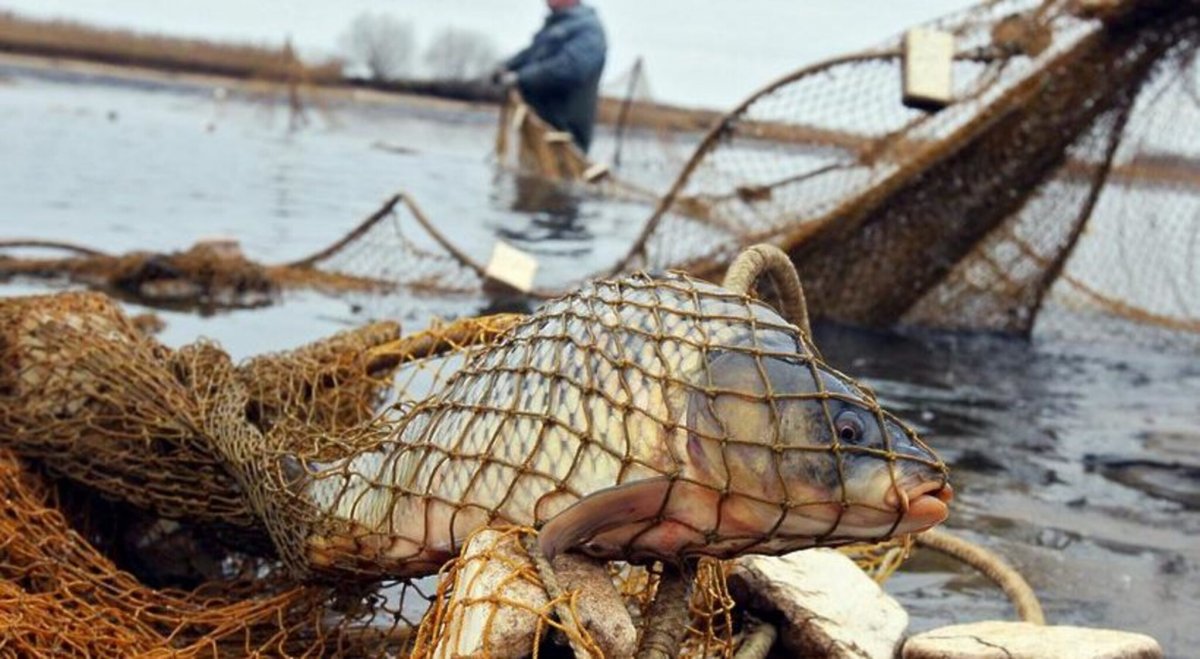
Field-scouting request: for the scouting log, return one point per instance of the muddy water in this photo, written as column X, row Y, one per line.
column 1077, row 462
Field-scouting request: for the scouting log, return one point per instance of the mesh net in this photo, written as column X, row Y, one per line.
column 60, row 596
column 1058, row 186
column 532, row 430
column 1056, row 189
column 279, row 473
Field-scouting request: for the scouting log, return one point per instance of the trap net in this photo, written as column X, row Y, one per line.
column 1055, row 187
column 249, row 448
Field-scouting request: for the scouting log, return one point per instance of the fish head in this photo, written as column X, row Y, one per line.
column 796, row 455
column 773, row 453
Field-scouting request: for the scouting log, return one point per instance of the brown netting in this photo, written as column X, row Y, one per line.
column 396, row 247
column 129, row 419
column 723, row 382
column 1058, row 185
column 102, row 404
column 61, row 597
column 1061, row 178
column 777, row 446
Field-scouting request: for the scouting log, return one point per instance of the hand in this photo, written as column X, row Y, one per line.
column 508, row 79
column 497, row 76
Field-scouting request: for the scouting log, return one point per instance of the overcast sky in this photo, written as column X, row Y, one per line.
column 697, row 52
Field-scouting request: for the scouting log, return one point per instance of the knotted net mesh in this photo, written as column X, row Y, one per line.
column 268, row 469
column 757, row 444
column 1056, row 188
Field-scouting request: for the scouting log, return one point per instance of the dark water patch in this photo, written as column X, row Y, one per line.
column 1171, row 481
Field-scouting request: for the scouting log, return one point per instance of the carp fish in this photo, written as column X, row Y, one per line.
column 636, row 419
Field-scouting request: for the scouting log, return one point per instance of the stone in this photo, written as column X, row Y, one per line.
column 1022, row 640
column 825, row 604
column 496, row 581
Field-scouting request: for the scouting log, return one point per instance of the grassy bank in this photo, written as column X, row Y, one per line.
column 77, row 41
column 67, row 39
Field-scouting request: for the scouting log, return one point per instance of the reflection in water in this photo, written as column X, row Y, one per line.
column 553, row 210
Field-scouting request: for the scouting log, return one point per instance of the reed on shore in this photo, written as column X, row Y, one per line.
column 73, row 40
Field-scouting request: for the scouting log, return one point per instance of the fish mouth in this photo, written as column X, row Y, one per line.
column 923, row 506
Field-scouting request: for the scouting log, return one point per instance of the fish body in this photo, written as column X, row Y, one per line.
column 636, row 419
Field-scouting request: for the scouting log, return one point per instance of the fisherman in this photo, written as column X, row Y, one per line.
column 559, row 73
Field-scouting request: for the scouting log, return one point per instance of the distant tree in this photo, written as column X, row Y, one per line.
column 459, row 54
column 380, row 44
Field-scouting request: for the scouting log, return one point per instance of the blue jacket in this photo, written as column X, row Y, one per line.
column 559, row 73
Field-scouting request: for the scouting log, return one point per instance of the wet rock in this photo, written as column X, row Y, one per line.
column 494, row 602
column 827, row 606
column 979, row 461
column 1021, row 640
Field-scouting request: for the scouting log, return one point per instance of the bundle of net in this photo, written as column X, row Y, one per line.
column 210, row 275
column 125, row 530
column 658, row 423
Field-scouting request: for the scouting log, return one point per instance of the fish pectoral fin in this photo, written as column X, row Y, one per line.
column 620, row 505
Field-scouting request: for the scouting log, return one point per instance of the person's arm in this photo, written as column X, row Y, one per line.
column 580, row 55
column 519, row 60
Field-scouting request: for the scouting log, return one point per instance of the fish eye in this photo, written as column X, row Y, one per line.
column 849, row 427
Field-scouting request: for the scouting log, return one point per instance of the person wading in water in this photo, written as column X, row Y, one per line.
column 559, row 73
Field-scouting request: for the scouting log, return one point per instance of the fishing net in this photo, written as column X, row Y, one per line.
column 1056, row 188
column 524, row 141
column 209, row 275
column 1056, row 191
column 60, row 596
column 295, row 437
column 709, row 372
column 125, row 418
column 1029, row 190
column 103, row 404
column 640, row 143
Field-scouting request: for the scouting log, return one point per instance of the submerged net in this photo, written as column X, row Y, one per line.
column 283, row 448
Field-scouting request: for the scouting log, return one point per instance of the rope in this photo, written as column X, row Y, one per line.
column 993, row 567
column 773, row 263
column 554, row 591
column 374, row 218
column 52, row 244
column 667, row 621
